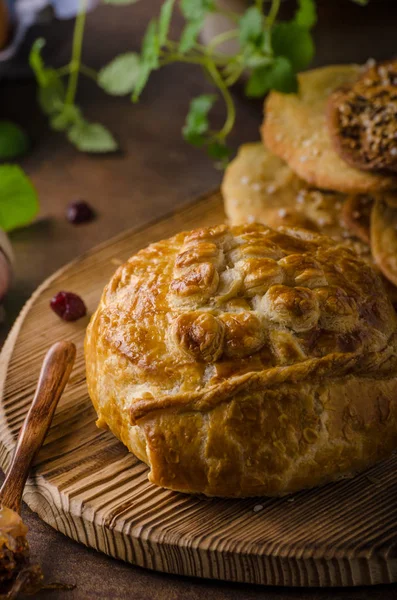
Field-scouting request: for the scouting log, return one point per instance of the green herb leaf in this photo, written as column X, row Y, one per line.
column 197, row 124
column 51, row 92
column 189, row 36
column 70, row 115
column 195, row 13
column 219, row 151
column 13, row 141
column 120, row 75
column 196, row 10
column 279, row 76
column 18, row 198
column 293, row 42
column 306, row 15
column 149, row 58
column 251, row 26
column 91, row 137
column 165, row 20
column 35, row 59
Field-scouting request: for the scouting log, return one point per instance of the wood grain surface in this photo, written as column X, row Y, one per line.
column 86, row 485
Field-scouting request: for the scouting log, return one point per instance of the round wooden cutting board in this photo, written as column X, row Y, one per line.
column 86, row 484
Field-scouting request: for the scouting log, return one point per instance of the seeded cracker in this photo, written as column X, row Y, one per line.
column 362, row 119
column 295, row 129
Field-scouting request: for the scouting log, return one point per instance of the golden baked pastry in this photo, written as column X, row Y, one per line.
column 295, row 129
column 246, row 361
column 362, row 119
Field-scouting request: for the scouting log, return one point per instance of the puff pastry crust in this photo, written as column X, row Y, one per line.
column 245, row 361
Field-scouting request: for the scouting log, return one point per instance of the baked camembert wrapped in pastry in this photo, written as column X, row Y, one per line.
column 246, row 361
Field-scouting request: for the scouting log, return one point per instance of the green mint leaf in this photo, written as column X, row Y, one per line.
column 120, row 2
column 279, row 76
column 293, row 42
column 149, row 58
column 197, row 123
column 36, row 61
column 91, row 137
column 219, row 151
column 18, row 198
column 189, row 36
column 13, row 141
column 251, row 26
column 196, row 10
column 120, row 76
column 151, row 47
column 165, row 20
column 361, row 2
column 306, row 15
column 51, row 92
column 194, row 13
column 70, row 115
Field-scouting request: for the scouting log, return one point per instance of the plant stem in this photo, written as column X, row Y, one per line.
column 88, row 72
column 63, row 70
column 229, row 14
column 273, row 12
column 230, row 108
column 221, row 38
column 197, row 59
column 74, row 64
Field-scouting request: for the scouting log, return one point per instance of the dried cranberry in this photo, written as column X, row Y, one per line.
column 68, row 306
column 79, row 212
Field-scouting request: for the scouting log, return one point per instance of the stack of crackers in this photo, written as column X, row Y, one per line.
column 328, row 162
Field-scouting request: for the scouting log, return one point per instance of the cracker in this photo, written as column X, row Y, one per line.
column 356, row 215
column 362, row 119
column 259, row 186
column 295, row 129
column 384, row 238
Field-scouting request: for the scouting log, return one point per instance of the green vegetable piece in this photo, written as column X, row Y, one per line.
column 197, row 124
column 165, row 20
column 306, row 15
column 13, row 141
column 18, row 198
column 120, row 76
column 91, row 137
column 279, row 76
column 293, row 42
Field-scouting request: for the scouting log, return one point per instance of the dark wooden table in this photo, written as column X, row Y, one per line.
column 156, row 173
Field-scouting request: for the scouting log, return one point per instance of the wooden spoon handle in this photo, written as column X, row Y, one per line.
column 54, row 375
